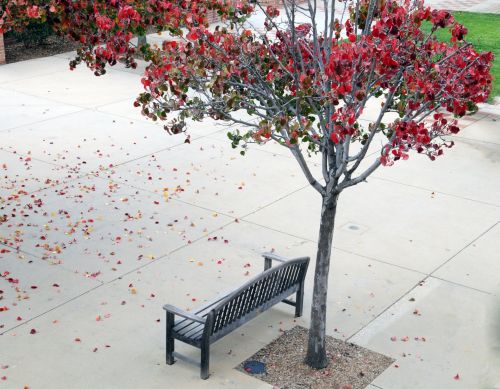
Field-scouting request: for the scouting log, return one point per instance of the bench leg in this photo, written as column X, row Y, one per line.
column 170, row 339
column 205, row 361
column 299, row 301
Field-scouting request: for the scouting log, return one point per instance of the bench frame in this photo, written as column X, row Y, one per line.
column 205, row 316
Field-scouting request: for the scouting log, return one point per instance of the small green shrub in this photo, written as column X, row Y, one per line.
column 35, row 34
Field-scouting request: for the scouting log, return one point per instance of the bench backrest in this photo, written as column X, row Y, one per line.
column 257, row 295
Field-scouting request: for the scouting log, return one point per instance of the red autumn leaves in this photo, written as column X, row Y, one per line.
column 421, row 72
column 105, row 28
column 392, row 58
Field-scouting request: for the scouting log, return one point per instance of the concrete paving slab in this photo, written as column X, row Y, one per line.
column 23, row 175
column 126, row 109
column 491, row 109
column 407, row 226
column 435, row 332
column 36, row 287
column 68, row 55
column 488, row 6
column 468, row 161
column 214, row 176
column 107, row 257
column 25, row 70
column 477, row 266
column 371, row 112
column 487, row 130
column 58, row 216
column 102, row 230
column 272, row 147
column 87, row 140
column 74, row 87
column 19, row 109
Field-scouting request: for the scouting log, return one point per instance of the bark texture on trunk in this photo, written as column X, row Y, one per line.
column 316, row 350
column 141, row 40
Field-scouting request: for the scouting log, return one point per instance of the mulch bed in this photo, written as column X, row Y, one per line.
column 351, row 366
column 16, row 51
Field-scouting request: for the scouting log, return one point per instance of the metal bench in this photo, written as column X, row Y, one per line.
column 233, row 309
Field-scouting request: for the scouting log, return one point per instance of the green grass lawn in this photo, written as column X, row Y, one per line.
column 484, row 34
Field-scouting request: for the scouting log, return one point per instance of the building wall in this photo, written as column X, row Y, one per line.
column 2, row 50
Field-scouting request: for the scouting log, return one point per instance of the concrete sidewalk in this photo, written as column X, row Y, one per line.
column 486, row 6
column 116, row 218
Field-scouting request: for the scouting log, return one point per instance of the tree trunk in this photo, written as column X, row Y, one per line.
column 141, row 40
column 316, row 350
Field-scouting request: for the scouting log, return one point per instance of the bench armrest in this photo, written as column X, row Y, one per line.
column 269, row 257
column 183, row 313
column 274, row 257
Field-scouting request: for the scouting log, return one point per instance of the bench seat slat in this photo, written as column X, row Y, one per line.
column 185, row 328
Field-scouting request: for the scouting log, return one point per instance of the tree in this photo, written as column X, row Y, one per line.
column 303, row 82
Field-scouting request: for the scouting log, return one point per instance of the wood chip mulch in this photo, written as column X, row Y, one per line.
column 350, row 367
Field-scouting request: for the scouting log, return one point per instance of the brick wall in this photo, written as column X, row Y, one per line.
column 2, row 50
